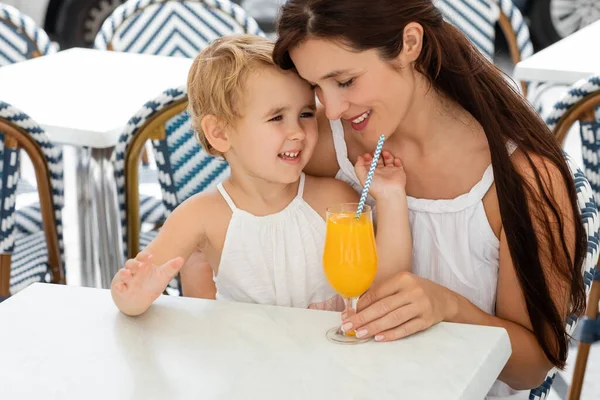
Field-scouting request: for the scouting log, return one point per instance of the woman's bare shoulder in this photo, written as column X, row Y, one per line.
column 545, row 179
column 526, row 163
column 323, row 161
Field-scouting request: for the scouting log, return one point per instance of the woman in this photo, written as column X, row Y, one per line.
column 497, row 237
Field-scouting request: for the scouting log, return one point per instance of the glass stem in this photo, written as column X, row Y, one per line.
column 350, row 304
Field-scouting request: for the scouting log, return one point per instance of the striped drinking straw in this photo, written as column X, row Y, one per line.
column 365, row 192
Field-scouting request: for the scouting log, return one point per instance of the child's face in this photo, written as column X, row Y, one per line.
column 277, row 134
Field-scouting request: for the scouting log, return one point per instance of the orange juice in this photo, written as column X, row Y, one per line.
column 350, row 255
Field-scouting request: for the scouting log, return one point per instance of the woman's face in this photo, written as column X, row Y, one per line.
column 372, row 95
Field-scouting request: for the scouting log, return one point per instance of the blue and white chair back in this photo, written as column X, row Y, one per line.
column 591, row 222
column 184, row 167
column 477, row 19
column 172, row 27
column 36, row 257
column 20, row 37
column 581, row 103
column 587, row 333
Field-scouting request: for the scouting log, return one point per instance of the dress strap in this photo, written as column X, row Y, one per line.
column 301, row 185
column 341, row 149
column 511, row 147
column 474, row 196
column 226, row 196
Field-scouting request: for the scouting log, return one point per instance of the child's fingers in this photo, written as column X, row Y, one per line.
column 388, row 159
column 397, row 162
column 173, row 266
column 133, row 266
column 120, row 287
column 143, row 256
column 124, row 275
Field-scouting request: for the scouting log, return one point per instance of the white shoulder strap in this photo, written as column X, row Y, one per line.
column 226, row 196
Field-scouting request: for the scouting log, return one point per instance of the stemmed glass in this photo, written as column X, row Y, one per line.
column 349, row 259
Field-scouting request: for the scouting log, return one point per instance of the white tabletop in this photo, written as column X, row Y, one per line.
column 59, row 342
column 85, row 97
column 566, row 61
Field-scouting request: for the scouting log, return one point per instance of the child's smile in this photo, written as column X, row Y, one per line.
column 290, row 157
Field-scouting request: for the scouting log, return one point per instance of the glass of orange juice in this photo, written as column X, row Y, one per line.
column 349, row 259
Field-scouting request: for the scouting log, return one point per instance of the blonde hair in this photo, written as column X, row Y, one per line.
column 217, row 78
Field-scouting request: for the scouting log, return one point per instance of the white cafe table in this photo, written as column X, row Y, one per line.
column 566, row 61
column 85, row 97
column 60, row 342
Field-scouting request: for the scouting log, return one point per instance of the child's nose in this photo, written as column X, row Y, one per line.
column 297, row 133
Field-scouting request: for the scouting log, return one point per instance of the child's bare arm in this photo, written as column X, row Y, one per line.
column 394, row 241
column 136, row 286
column 197, row 277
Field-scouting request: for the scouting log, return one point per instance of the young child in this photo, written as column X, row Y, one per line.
column 263, row 230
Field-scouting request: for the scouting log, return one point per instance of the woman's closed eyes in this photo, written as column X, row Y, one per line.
column 348, row 83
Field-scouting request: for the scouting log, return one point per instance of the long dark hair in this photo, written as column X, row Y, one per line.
column 454, row 67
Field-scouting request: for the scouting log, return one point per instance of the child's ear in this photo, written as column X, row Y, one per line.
column 216, row 133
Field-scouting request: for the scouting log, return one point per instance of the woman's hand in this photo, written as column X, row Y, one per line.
column 400, row 306
column 389, row 176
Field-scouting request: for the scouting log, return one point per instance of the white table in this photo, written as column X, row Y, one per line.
column 65, row 343
column 84, row 98
column 566, row 61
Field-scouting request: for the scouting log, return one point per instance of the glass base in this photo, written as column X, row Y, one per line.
column 336, row 335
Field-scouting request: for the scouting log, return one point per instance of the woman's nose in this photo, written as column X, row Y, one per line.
column 334, row 105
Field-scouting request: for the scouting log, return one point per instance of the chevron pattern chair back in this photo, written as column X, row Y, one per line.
column 184, row 167
column 591, row 222
column 30, row 258
column 587, row 333
column 172, row 27
column 477, row 19
column 20, row 37
column 581, row 103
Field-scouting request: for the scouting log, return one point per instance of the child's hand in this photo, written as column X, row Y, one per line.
column 140, row 282
column 389, row 176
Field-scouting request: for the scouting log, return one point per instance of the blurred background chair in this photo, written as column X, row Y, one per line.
column 21, row 39
column 479, row 20
column 38, row 256
column 184, row 167
column 591, row 222
column 581, row 105
column 587, row 332
column 173, row 28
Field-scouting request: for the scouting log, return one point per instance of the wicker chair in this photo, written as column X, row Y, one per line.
column 184, row 167
column 581, row 103
column 178, row 28
column 22, row 39
column 35, row 257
